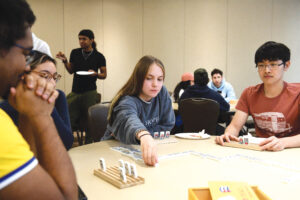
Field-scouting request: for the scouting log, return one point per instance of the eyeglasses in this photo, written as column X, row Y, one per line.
column 48, row 76
column 29, row 53
column 271, row 66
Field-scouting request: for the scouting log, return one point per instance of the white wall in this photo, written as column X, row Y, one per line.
column 184, row 34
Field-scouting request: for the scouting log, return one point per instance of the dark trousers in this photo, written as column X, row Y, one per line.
column 79, row 104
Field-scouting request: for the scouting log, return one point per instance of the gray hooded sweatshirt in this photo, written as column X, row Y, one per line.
column 132, row 115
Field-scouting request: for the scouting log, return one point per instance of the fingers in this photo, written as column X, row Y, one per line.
column 266, row 141
column 43, row 88
column 269, row 145
column 149, row 151
column 46, row 90
column 53, row 96
column 148, row 156
column 40, row 87
column 225, row 138
column 153, row 156
column 219, row 140
column 272, row 144
column 94, row 73
column 233, row 138
column 60, row 55
column 29, row 81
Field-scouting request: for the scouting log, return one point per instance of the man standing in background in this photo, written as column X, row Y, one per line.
column 84, row 63
column 219, row 85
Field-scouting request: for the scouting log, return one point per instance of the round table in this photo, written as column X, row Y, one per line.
column 276, row 173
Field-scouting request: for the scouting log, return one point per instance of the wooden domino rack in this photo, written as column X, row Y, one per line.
column 251, row 146
column 112, row 175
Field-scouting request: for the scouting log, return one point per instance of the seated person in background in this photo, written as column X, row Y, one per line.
column 34, row 164
column 187, row 79
column 219, row 85
column 44, row 66
column 201, row 90
column 142, row 107
column 273, row 104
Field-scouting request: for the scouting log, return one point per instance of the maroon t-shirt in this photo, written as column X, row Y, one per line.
column 278, row 116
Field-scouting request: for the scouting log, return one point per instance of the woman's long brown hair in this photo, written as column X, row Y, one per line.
column 134, row 85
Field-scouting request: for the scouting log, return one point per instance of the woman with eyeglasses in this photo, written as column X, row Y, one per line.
column 44, row 66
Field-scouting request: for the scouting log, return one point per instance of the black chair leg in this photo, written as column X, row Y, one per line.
column 79, row 137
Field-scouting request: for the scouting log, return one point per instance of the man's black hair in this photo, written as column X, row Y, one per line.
column 216, row 71
column 15, row 17
column 88, row 33
column 201, row 77
column 272, row 51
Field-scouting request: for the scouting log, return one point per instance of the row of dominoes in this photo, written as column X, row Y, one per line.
column 243, row 140
column 161, row 135
column 247, row 139
column 127, row 168
column 124, row 168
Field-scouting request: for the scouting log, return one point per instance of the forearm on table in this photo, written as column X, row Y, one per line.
column 51, row 154
column 125, row 135
column 232, row 130
column 291, row 142
column 239, row 119
column 141, row 133
column 125, row 127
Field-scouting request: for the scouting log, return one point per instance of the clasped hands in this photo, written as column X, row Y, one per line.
column 33, row 96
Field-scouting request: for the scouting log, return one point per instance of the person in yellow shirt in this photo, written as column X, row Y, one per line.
column 33, row 161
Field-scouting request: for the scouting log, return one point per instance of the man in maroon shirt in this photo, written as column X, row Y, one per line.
column 273, row 104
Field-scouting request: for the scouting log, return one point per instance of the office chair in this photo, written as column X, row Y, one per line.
column 198, row 114
column 97, row 120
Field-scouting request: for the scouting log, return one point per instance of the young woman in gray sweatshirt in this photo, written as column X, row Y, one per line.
column 142, row 106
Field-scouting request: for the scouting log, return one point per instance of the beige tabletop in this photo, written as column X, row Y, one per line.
column 276, row 173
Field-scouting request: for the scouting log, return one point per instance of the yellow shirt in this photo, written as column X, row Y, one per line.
column 16, row 159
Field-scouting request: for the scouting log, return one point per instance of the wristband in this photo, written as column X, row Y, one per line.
column 144, row 135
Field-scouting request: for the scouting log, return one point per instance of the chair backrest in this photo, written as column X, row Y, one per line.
column 97, row 120
column 198, row 114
